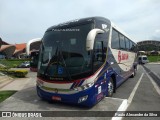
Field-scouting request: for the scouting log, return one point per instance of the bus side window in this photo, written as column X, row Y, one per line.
column 122, row 42
column 115, row 40
column 98, row 53
column 127, row 44
column 100, row 49
column 134, row 48
column 131, row 45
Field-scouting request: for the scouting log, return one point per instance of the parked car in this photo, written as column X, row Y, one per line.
column 25, row 64
column 143, row 59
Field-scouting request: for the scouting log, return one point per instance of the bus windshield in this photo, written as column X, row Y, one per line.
column 34, row 59
column 63, row 52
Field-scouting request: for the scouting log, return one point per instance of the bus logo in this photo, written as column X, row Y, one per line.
column 60, row 70
column 119, row 56
column 122, row 56
column 104, row 26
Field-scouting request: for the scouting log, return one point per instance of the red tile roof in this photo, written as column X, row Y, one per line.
column 20, row 46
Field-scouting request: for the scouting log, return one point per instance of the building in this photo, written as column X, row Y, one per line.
column 149, row 47
column 6, row 49
column 0, row 42
column 18, row 50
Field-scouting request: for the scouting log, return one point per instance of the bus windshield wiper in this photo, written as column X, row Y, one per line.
column 57, row 58
column 54, row 58
column 65, row 66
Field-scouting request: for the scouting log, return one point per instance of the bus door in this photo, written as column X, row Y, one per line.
column 99, row 56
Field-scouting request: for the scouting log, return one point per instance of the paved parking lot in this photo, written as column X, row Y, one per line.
column 155, row 68
column 139, row 92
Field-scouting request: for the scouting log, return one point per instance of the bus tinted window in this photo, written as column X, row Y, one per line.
column 115, row 40
column 100, row 48
column 122, row 42
column 133, row 48
column 130, row 45
column 127, row 43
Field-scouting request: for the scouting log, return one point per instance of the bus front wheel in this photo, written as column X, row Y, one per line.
column 110, row 88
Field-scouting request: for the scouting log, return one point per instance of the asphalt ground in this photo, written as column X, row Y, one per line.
column 140, row 93
column 154, row 68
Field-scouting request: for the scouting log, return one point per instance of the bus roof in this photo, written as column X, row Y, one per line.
column 79, row 21
column 87, row 20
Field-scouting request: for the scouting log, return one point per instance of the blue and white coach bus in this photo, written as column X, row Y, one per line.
column 84, row 60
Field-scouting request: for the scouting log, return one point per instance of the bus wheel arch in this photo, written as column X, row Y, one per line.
column 111, row 85
column 134, row 71
column 113, row 76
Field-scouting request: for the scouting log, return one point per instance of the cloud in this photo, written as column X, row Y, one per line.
column 24, row 20
column 156, row 35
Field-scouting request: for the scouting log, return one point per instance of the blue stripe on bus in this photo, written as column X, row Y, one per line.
column 77, row 83
column 73, row 85
column 81, row 83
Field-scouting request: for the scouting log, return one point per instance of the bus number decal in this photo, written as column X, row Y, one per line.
column 99, row 89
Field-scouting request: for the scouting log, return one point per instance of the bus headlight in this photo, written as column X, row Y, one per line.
column 90, row 84
column 82, row 99
column 84, row 87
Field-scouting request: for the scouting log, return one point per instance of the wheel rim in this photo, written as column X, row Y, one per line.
column 110, row 88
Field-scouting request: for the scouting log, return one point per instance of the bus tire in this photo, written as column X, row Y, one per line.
column 110, row 89
column 133, row 74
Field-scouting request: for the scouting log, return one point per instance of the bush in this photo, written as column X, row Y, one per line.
column 3, row 69
column 16, row 73
column 12, row 62
column 20, row 73
column 15, row 65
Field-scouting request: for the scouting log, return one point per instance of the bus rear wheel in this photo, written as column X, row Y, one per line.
column 110, row 88
column 133, row 74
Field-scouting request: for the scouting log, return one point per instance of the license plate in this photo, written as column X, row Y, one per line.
column 56, row 98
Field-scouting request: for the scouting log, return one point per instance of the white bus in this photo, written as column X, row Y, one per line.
column 84, row 60
column 33, row 54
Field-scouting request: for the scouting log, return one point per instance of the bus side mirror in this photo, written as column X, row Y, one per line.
column 91, row 37
column 29, row 44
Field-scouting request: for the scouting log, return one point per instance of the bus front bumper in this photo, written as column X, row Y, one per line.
column 84, row 98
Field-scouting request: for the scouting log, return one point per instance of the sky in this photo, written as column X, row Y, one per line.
column 23, row 20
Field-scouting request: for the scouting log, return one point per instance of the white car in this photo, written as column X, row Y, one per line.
column 143, row 59
column 25, row 64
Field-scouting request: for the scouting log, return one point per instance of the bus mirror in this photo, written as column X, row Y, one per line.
column 91, row 37
column 29, row 44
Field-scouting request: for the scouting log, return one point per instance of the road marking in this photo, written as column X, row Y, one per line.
column 134, row 90
column 122, row 107
column 154, row 84
column 114, row 98
column 152, row 81
column 125, row 104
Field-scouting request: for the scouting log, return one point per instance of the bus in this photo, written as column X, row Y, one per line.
column 83, row 61
column 34, row 60
column 33, row 53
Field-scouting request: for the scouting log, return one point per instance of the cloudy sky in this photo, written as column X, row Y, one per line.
column 22, row 20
